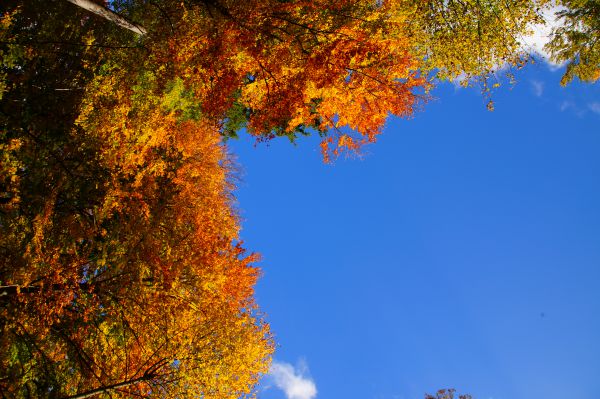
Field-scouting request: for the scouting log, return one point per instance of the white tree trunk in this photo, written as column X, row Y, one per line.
column 110, row 15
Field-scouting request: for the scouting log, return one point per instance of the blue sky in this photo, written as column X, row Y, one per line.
column 462, row 250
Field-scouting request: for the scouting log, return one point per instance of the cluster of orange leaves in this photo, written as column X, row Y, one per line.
column 337, row 67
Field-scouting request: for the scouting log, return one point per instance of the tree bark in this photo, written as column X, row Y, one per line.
column 110, row 15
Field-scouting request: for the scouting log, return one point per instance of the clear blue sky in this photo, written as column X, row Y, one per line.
column 462, row 250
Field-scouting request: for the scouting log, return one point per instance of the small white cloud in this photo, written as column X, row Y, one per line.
column 579, row 110
column 293, row 381
column 565, row 105
column 538, row 88
column 594, row 107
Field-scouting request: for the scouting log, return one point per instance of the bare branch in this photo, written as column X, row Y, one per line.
column 110, row 15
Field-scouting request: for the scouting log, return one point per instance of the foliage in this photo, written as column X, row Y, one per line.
column 446, row 394
column 575, row 41
column 120, row 265
column 116, row 230
column 336, row 68
column 470, row 39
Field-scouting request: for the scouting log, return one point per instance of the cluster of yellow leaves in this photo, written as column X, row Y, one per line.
column 467, row 39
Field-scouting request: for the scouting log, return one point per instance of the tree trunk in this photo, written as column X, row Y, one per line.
column 109, row 15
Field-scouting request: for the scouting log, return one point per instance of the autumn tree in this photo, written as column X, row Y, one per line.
column 446, row 394
column 121, row 272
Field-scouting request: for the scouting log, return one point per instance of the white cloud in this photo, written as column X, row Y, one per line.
column 293, row 381
column 538, row 88
column 541, row 34
column 579, row 110
column 594, row 107
column 565, row 105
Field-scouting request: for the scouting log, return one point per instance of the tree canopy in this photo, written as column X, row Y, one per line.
column 120, row 265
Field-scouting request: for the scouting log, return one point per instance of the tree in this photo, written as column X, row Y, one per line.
column 446, row 394
column 127, row 276
column 575, row 41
